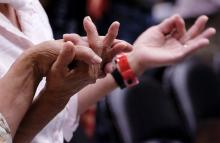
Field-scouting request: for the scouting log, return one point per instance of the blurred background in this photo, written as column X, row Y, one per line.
column 177, row 104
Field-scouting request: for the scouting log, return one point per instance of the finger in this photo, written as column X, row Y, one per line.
column 169, row 24
column 87, row 55
column 208, row 33
column 74, row 38
column 111, row 34
column 128, row 47
column 194, row 45
column 92, row 34
column 121, row 47
column 65, row 57
column 197, row 28
column 115, row 41
column 180, row 27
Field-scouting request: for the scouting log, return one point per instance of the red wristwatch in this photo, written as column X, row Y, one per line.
column 129, row 77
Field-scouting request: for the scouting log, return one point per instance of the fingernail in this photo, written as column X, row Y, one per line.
column 96, row 60
column 89, row 18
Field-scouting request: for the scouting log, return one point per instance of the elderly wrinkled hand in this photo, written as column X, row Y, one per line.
column 45, row 54
column 52, row 59
column 168, row 43
column 66, row 81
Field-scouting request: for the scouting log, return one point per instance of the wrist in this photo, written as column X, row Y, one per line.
column 57, row 99
column 135, row 64
column 23, row 79
column 29, row 63
column 43, row 56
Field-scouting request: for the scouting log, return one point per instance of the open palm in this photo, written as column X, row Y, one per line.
column 169, row 42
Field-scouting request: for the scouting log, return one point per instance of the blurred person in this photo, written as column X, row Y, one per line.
column 151, row 50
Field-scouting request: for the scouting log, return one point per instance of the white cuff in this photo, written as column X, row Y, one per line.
column 5, row 133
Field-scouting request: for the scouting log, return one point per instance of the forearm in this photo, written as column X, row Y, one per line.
column 22, row 80
column 38, row 116
column 45, row 107
column 91, row 94
column 17, row 90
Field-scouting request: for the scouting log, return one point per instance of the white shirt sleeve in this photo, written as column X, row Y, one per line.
column 71, row 118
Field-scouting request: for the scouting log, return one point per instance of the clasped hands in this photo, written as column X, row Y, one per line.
column 90, row 57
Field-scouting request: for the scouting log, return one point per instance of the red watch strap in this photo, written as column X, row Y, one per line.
column 130, row 79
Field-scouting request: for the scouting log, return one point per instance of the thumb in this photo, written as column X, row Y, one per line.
column 66, row 56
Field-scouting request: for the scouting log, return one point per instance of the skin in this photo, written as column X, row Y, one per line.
column 17, row 88
column 170, row 43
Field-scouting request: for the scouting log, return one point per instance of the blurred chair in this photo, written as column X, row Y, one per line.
column 195, row 88
column 145, row 114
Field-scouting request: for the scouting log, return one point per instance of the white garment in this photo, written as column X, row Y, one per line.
column 35, row 29
column 5, row 133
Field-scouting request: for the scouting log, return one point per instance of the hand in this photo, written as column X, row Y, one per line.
column 45, row 57
column 45, row 54
column 63, row 81
column 168, row 43
column 52, row 59
column 105, row 46
column 29, row 69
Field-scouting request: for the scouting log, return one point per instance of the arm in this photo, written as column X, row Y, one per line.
column 17, row 89
column 169, row 44
column 94, row 92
